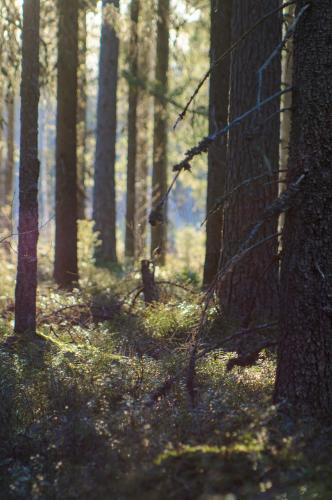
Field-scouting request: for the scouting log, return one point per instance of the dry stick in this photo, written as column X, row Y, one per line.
column 224, row 55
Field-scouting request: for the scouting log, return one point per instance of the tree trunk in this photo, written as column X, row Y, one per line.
column 304, row 370
column 150, row 289
column 132, row 132
column 104, row 201
column 2, row 121
column 286, row 105
column 143, row 125
column 10, row 163
column 221, row 12
column 26, row 283
column 65, row 266
column 159, row 173
column 251, row 289
column 82, row 101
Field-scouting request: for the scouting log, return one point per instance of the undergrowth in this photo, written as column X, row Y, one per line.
column 76, row 419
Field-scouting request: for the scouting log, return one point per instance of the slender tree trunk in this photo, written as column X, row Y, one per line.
column 251, row 290
column 221, row 12
column 10, row 161
column 104, row 200
column 159, row 173
column 304, row 370
column 65, row 266
column 26, row 283
column 132, row 132
column 2, row 121
column 144, row 116
column 82, row 102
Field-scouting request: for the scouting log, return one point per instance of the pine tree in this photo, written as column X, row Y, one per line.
column 251, row 289
column 144, row 116
column 82, row 101
column 104, row 203
column 159, row 173
column 132, row 131
column 26, row 283
column 65, row 265
column 221, row 12
column 304, row 369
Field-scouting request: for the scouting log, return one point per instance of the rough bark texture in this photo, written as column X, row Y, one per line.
column 251, row 289
column 144, row 117
column 104, row 201
column 26, row 283
column 159, row 173
column 65, row 267
column 221, row 11
column 132, row 132
column 82, row 101
column 304, row 372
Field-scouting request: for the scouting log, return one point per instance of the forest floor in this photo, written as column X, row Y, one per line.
column 78, row 417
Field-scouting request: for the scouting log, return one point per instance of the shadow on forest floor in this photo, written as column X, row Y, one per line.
column 75, row 423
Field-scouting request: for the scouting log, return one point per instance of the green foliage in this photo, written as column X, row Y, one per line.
column 74, row 422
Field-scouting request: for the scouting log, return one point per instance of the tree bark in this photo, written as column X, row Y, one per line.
column 132, row 132
column 104, row 198
column 65, row 266
column 159, row 173
column 82, row 101
column 26, row 283
column 150, row 289
column 144, row 117
column 251, row 289
column 304, row 369
column 286, row 116
column 10, row 161
column 221, row 12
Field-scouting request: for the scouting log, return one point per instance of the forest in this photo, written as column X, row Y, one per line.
column 166, row 249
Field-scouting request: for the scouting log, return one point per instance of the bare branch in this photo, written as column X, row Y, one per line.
column 224, row 55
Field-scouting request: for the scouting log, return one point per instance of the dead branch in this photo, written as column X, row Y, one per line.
column 224, row 55
column 290, row 32
column 156, row 215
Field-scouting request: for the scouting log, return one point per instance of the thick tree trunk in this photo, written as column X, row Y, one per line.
column 132, row 132
column 104, row 201
column 251, row 289
column 304, row 372
column 221, row 12
column 144, row 116
column 159, row 174
column 26, row 283
column 65, row 266
column 82, row 102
